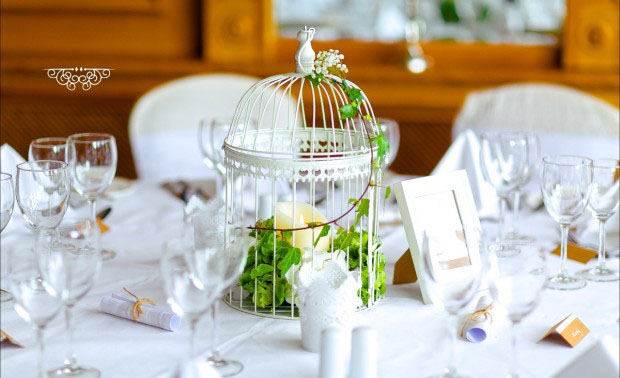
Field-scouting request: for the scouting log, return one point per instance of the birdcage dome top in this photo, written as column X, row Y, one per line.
column 290, row 125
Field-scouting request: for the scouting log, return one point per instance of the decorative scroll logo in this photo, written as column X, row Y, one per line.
column 71, row 77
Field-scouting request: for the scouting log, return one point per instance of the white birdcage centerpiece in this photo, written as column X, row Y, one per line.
column 303, row 170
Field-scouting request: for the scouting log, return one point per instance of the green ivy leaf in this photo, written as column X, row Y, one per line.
column 347, row 111
column 324, row 232
column 293, row 256
column 315, row 79
column 354, row 93
column 261, row 270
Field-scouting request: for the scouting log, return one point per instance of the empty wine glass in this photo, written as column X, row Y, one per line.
column 603, row 204
column 7, row 200
column 42, row 191
column 32, row 303
column 566, row 183
column 69, row 269
column 533, row 160
column 504, row 159
column 47, row 149
column 516, row 282
column 453, row 292
column 92, row 159
column 392, row 134
column 211, row 135
column 192, row 280
column 234, row 252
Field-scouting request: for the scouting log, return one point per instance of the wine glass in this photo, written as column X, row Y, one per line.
column 92, row 159
column 69, row 269
column 211, row 135
column 32, row 303
column 42, row 190
column 392, row 134
column 455, row 291
column 47, row 149
column 7, row 199
column 504, row 159
column 566, row 183
column 192, row 279
column 516, row 282
column 602, row 205
column 234, row 252
column 533, row 157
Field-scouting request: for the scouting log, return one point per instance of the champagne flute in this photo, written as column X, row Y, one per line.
column 392, row 133
column 533, row 157
column 32, row 303
column 47, row 149
column 516, row 282
column 453, row 292
column 192, row 279
column 69, row 269
column 54, row 148
column 602, row 205
column 92, row 159
column 7, row 200
column 42, row 190
column 566, row 183
column 504, row 159
column 211, row 137
column 234, row 252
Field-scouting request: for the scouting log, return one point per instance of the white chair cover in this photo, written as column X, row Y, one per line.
column 163, row 126
column 541, row 108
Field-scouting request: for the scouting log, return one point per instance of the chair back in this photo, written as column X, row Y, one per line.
column 163, row 125
column 540, row 108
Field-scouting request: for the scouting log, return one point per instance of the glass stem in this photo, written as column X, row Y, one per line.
column 452, row 335
column 215, row 354
column 601, row 244
column 93, row 210
column 564, row 248
column 40, row 357
column 514, row 338
column 502, row 220
column 70, row 359
column 515, row 211
column 192, row 336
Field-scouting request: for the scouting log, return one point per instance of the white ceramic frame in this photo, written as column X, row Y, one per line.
column 408, row 191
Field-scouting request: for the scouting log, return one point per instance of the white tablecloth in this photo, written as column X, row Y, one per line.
column 411, row 335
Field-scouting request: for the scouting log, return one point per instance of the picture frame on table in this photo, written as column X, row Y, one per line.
column 441, row 220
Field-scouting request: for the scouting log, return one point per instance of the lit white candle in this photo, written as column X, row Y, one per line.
column 304, row 214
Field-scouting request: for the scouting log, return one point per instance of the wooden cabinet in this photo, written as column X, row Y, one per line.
column 148, row 42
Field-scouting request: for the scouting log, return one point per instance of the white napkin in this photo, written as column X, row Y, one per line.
column 9, row 158
column 464, row 153
column 478, row 329
column 153, row 315
column 600, row 360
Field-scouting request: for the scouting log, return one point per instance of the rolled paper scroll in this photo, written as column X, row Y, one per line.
column 155, row 316
column 478, row 325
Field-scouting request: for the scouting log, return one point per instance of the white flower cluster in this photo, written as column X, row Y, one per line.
column 328, row 59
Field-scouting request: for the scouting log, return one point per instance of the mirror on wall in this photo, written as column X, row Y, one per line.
column 490, row 21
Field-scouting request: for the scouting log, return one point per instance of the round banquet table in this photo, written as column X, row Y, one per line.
column 412, row 336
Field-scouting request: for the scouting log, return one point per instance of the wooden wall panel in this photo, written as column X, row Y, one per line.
column 24, row 118
column 157, row 28
column 149, row 42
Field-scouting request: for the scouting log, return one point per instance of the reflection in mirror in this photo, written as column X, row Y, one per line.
column 495, row 21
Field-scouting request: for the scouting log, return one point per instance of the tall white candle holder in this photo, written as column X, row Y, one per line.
column 292, row 158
